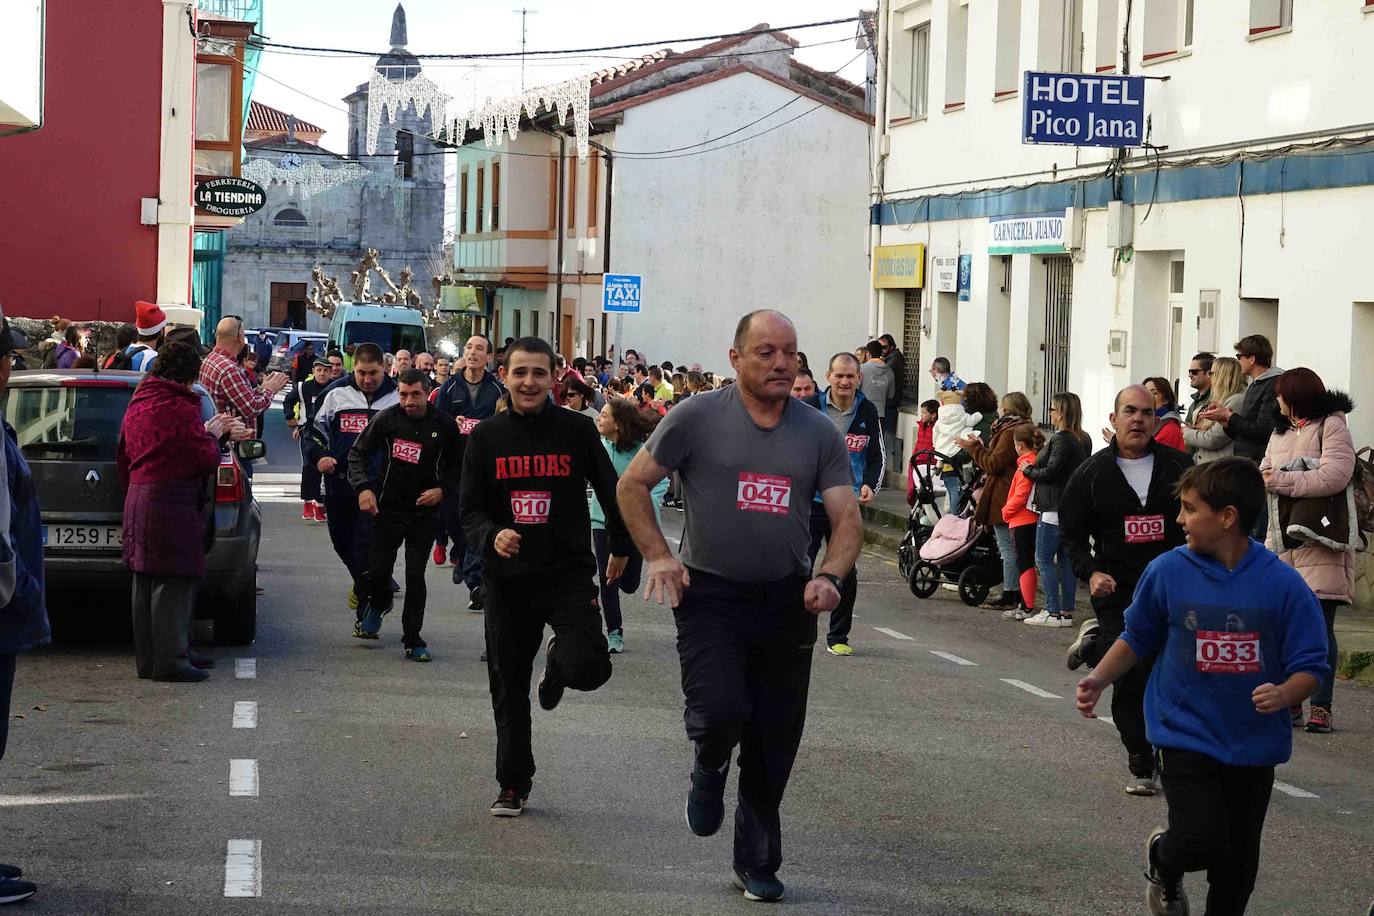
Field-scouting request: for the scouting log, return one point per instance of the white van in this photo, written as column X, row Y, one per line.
column 391, row 327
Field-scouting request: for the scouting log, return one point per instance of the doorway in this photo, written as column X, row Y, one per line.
column 911, row 344
column 1058, row 325
column 1175, row 362
column 566, row 326
column 288, row 305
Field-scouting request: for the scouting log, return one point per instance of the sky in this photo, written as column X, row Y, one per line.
column 312, row 87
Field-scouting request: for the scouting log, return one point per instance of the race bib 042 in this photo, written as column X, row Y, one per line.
column 352, row 423
column 1228, row 653
column 764, row 493
column 856, row 443
column 402, row 450
column 1144, row 529
column 466, row 425
column 530, row 507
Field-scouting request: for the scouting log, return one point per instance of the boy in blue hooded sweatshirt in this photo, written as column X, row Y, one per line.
column 1239, row 638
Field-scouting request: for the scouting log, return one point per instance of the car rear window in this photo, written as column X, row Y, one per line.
column 56, row 423
column 392, row 338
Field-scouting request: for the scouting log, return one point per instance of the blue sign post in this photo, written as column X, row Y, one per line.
column 620, row 293
column 1083, row 109
column 965, row 277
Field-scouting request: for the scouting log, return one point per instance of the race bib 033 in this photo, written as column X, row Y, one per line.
column 1144, row 529
column 530, row 507
column 409, row 452
column 1228, row 653
column 352, row 423
column 764, row 493
column 466, row 425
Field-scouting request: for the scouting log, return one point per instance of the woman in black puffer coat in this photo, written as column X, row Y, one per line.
column 1066, row 450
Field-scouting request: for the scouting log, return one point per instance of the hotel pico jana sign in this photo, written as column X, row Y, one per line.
column 230, row 196
column 1083, row 109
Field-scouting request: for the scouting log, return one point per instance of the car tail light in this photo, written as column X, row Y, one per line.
column 229, row 483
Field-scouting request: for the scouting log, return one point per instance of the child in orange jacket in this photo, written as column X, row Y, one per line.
column 1022, row 519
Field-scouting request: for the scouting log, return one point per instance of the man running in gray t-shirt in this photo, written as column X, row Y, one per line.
column 749, row 458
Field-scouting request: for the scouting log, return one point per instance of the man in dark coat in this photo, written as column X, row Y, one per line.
column 23, row 616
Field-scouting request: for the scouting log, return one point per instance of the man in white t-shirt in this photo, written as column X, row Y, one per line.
column 1118, row 512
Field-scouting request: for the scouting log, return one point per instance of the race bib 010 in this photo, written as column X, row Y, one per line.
column 856, row 443
column 1228, row 653
column 352, row 423
column 466, row 425
column 402, row 450
column 1144, row 529
column 530, row 507
column 764, row 493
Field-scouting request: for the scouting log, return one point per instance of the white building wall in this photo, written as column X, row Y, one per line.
column 777, row 222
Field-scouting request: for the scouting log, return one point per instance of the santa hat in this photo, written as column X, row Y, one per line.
column 149, row 318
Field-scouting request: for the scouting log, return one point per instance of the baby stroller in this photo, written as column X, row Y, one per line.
column 925, row 509
column 958, row 550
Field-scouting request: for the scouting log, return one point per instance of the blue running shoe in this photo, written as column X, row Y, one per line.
column 371, row 624
column 763, row 888
column 418, row 654
column 706, row 799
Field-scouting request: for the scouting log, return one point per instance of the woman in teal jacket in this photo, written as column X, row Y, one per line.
column 624, row 428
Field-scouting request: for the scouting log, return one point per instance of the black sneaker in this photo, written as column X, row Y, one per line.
column 1087, row 635
column 477, row 598
column 763, row 888
column 550, row 690
column 509, row 803
column 12, row 871
column 1164, row 895
column 706, row 799
column 13, row 890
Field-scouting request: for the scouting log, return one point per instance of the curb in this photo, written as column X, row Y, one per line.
column 1355, row 665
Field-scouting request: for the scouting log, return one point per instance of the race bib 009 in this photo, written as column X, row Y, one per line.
column 1228, row 653
column 764, row 493
column 352, row 423
column 409, row 452
column 530, row 507
column 466, row 425
column 1144, row 529
column 856, row 443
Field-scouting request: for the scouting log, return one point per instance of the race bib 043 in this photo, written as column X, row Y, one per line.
column 1144, row 529
column 402, row 450
column 856, row 443
column 352, row 423
column 1228, row 653
column 530, row 507
column 466, row 425
column 764, row 493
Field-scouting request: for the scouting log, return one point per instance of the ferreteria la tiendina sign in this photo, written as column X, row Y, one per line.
column 230, row 196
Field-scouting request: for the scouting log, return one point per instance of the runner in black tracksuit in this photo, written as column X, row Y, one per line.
column 1108, row 529
column 523, row 500
column 301, row 404
column 418, row 447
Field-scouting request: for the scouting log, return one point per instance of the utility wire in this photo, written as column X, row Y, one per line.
column 268, row 45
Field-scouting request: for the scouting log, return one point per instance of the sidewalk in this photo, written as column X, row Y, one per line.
column 885, row 523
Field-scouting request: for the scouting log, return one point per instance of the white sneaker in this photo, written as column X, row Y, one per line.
column 1010, row 613
column 1046, row 619
column 1023, row 614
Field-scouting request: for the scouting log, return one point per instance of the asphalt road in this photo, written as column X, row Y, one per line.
column 925, row 784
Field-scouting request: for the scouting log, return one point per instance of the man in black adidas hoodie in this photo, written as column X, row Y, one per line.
column 523, row 501
column 418, row 450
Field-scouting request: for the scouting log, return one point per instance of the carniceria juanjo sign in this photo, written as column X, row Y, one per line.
column 1033, row 233
column 1083, row 109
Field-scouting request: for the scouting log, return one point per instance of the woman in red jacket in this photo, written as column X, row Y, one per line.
column 1170, row 429
column 166, row 455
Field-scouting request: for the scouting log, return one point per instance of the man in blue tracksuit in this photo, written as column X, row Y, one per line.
column 469, row 396
column 23, row 615
column 1239, row 638
column 857, row 419
column 348, row 405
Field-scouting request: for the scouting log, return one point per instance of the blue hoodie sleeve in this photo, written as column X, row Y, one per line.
column 1304, row 633
column 1147, row 619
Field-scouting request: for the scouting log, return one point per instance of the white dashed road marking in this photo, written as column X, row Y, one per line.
column 245, row 714
column 27, row 801
column 951, row 657
column 1294, row 791
column 243, row 778
column 893, row 633
column 243, row 869
column 245, row 669
column 1031, row 688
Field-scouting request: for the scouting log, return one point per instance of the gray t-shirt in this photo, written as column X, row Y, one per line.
column 877, row 383
column 747, row 490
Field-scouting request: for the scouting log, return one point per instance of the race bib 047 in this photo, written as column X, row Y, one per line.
column 530, row 507
column 402, row 450
column 1144, row 529
column 764, row 493
column 352, row 423
column 1228, row 653
column 466, row 425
